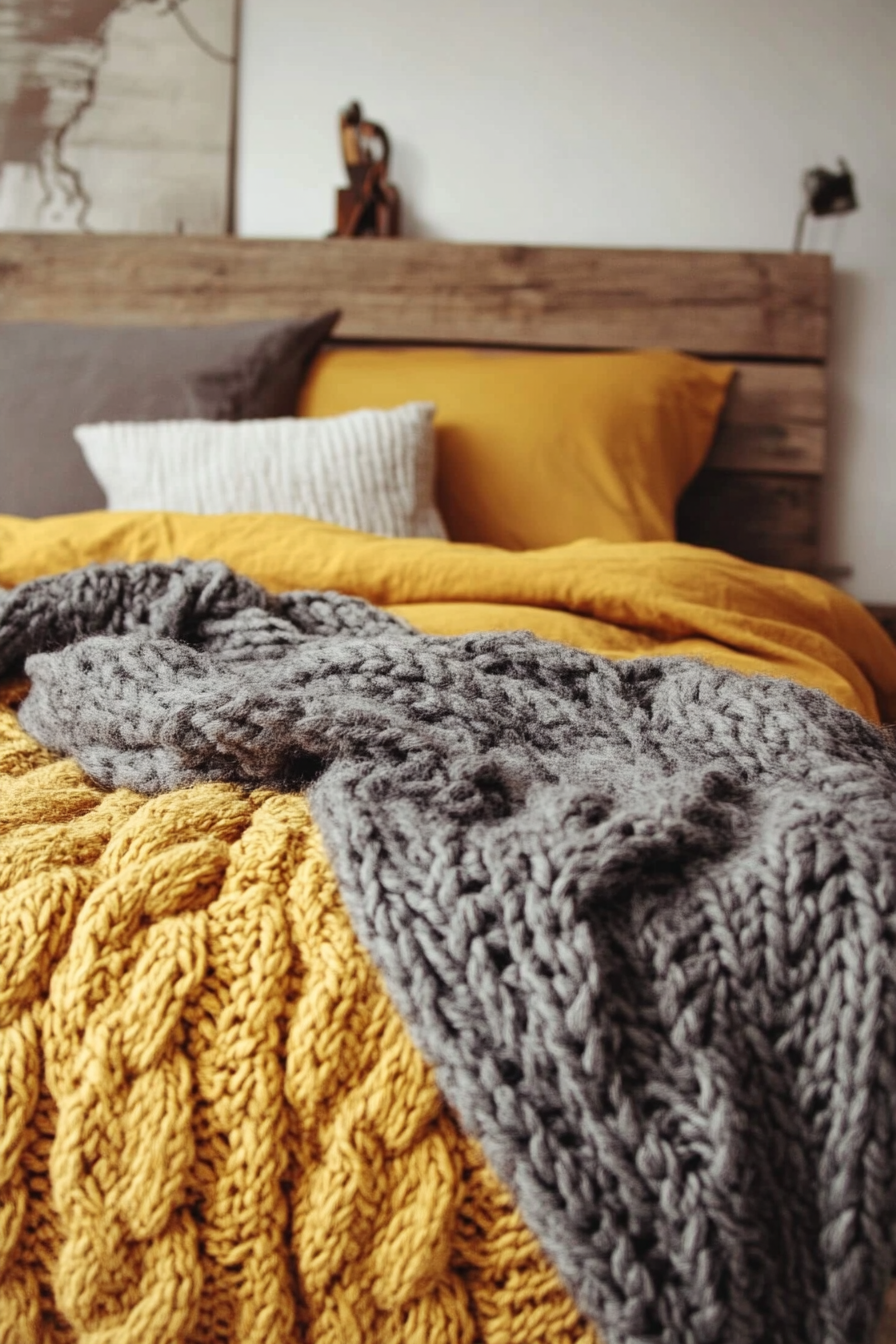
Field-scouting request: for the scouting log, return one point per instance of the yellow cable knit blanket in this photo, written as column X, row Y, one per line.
column 213, row 1125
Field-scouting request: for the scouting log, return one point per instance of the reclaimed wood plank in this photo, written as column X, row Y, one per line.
column 735, row 304
column 764, row 517
column 774, row 420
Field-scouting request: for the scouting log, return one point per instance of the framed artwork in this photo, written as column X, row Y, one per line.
column 117, row 115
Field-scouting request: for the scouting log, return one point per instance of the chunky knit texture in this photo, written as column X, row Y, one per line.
column 640, row 916
column 214, row 1128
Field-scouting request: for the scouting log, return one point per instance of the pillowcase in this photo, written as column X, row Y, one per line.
column 53, row 377
column 371, row 470
column 542, row 449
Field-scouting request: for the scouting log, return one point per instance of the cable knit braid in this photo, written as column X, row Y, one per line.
column 641, row 916
column 214, row 1128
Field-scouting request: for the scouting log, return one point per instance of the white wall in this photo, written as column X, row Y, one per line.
column 678, row 123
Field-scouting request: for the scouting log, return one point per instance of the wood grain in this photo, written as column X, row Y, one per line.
column 734, row 304
column 764, row 517
column 774, row 421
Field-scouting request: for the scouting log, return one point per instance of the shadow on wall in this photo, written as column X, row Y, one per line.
column 409, row 172
column 849, row 310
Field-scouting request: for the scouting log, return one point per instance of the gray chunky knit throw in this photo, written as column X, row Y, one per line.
column 640, row 915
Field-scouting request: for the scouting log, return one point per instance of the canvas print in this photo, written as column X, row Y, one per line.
column 116, row 115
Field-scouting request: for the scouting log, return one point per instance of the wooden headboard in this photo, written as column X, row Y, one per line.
column 768, row 312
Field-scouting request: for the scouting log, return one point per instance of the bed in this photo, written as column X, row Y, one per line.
column 179, row 1161
column 767, row 312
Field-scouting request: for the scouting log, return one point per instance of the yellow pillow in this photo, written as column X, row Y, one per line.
column 541, row 449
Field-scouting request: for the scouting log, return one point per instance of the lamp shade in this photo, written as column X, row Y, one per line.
column 830, row 193
column 826, row 193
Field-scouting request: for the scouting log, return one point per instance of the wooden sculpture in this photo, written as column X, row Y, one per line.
column 370, row 204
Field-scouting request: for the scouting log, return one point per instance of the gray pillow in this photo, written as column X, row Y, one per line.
column 55, row 376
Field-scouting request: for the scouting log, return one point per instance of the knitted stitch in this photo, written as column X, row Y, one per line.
column 213, row 1127
column 640, row 915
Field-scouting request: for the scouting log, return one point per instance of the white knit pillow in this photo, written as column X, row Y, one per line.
column 371, row 470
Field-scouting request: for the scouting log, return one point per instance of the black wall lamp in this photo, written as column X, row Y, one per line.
column 826, row 193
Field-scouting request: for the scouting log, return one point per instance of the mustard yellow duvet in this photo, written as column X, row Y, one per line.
column 618, row 599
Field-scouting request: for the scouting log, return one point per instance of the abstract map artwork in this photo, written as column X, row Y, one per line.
column 116, row 115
